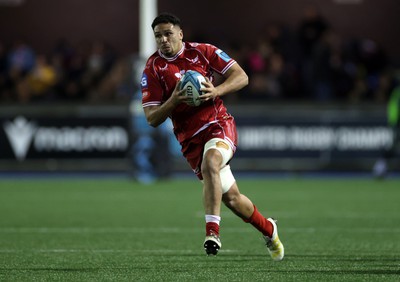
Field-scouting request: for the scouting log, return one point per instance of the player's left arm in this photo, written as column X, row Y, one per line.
column 235, row 78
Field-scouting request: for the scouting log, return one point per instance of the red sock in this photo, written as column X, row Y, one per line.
column 212, row 228
column 261, row 223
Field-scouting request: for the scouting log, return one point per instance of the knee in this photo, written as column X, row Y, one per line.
column 231, row 200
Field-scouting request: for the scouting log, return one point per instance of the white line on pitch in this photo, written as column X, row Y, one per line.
column 159, row 251
column 168, row 230
column 295, row 215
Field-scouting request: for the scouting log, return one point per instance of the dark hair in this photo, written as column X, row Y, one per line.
column 166, row 18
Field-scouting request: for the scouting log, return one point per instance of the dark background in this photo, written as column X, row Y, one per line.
column 41, row 22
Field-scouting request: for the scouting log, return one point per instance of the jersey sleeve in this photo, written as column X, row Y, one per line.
column 219, row 60
column 151, row 88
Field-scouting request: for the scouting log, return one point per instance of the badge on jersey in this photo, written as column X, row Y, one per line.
column 143, row 82
column 223, row 55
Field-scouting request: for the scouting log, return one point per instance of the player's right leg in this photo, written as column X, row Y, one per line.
column 212, row 193
column 217, row 153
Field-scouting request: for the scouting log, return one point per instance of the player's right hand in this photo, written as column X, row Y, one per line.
column 178, row 95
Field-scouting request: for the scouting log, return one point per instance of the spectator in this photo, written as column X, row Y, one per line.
column 115, row 84
column 257, row 66
column 72, row 87
column 312, row 27
column 41, row 79
column 381, row 166
column 21, row 57
column 325, row 60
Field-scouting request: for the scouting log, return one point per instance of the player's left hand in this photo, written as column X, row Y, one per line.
column 209, row 91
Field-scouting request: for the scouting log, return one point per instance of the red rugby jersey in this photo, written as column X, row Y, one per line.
column 162, row 73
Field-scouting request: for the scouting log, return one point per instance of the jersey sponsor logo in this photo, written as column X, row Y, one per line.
column 179, row 74
column 164, row 68
column 193, row 61
column 143, row 82
column 223, row 55
column 145, row 94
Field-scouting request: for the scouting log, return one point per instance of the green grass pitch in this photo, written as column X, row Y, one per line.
column 120, row 230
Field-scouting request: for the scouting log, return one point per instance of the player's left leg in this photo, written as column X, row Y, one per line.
column 245, row 209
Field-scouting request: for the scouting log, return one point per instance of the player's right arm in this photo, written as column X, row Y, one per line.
column 156, row 115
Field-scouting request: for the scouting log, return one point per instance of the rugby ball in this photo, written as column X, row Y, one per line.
column 191, row 82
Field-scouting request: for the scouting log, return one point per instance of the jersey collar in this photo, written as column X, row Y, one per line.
column 174, row 57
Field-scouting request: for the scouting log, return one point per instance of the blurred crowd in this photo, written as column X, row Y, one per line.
column 313, row 62
column 89, row 72
column 310, row 62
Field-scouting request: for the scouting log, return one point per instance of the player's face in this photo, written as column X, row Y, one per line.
column 168, row 38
